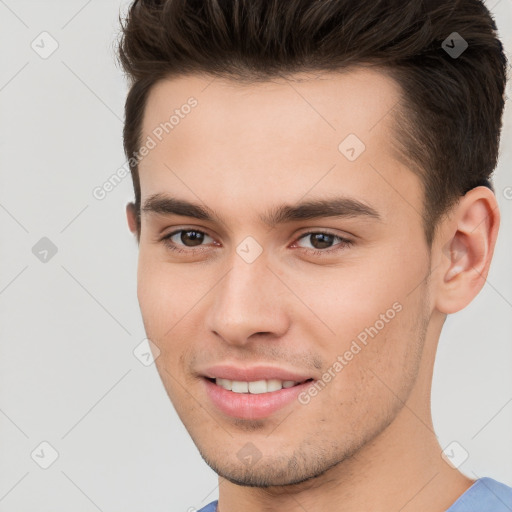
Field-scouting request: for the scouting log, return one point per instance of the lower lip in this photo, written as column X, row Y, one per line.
column 252, row 406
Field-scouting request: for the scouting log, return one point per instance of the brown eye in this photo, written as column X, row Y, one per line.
column 191, row 238
column 182, row 239
column 321, row 240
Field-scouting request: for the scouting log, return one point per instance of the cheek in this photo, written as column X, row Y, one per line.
column 162, row 294
column 384, row 367
column 379, row 334
column 379, row 299
column 351, row 308
column 167, row 297
column 370, row 383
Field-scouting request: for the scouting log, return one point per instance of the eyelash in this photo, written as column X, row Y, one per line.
column 344, row 242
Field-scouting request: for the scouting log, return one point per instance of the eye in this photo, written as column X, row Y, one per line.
column 191, row 240
column 322, row 241
column 188, row 237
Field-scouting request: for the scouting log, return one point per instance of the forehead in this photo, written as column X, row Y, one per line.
column 274, row 141
column 322, row 106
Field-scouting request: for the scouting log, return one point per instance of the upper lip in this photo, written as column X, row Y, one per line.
column 252, row 373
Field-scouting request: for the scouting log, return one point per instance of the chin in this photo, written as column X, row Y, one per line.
column 278, row 471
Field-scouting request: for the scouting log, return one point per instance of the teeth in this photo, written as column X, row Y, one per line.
column 274, row 385
column 225, row 383
column 258, row 386
column 254, row 387
column 239, row 386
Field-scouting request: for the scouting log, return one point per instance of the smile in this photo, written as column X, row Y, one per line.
column 255, row 387
column 253, row 399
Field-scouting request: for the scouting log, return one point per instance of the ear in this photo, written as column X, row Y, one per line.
column 131, row 216
column 468, row 242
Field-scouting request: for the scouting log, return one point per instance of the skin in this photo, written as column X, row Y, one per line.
column 366, row 441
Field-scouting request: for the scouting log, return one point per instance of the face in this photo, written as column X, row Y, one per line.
column 300, row 281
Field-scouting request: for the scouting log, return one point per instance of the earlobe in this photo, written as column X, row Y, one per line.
column 467, row 253
column 131, row 216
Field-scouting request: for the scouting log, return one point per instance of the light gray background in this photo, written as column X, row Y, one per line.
column 69, row 326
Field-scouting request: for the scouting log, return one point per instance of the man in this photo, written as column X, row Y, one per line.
column 312, row 199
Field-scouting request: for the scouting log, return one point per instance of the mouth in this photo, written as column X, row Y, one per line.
column 253, row 400
column 256, row 387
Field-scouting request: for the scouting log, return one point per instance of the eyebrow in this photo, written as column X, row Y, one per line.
column 342, row 207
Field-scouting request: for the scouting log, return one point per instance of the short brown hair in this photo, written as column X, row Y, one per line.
column 447, row 124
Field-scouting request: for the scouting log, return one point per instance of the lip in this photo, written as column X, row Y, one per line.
column 253, row 373
column 252, row 406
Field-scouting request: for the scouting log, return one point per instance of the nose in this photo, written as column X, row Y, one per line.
column 250, row 300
